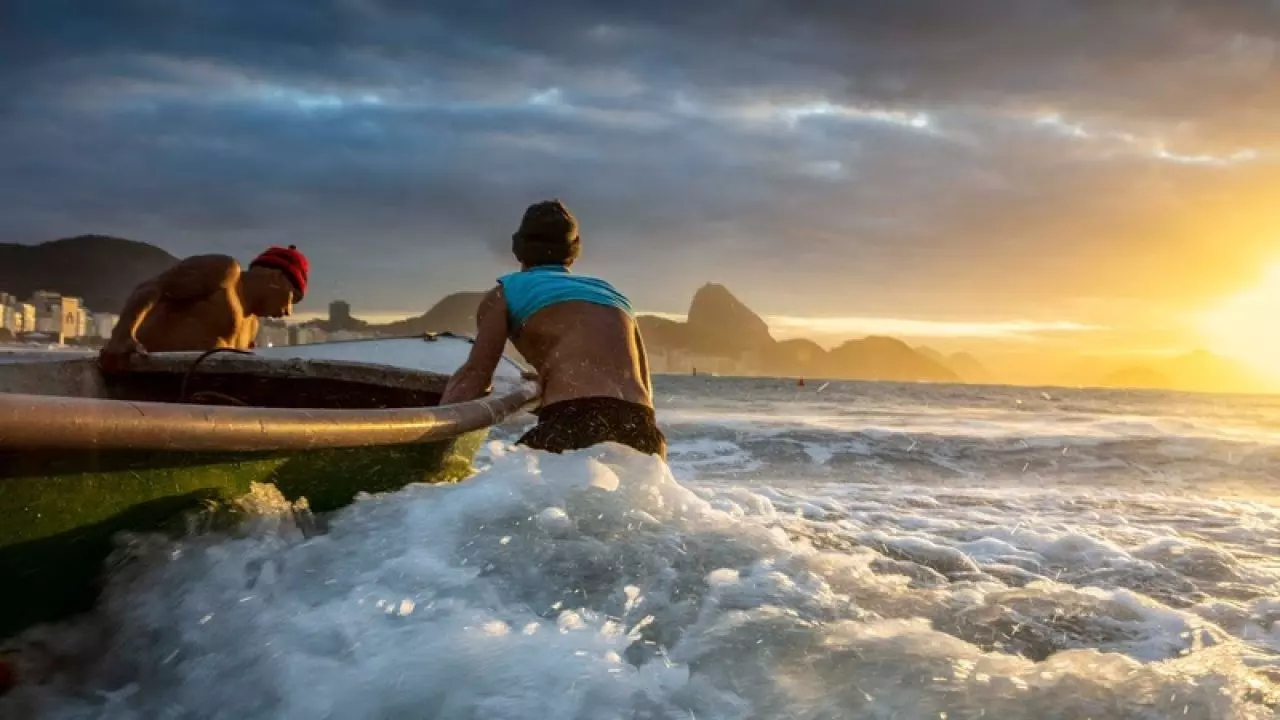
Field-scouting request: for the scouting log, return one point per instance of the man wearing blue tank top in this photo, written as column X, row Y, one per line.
column 577, row 331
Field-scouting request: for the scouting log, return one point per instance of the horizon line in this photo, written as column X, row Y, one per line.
column 796, row 326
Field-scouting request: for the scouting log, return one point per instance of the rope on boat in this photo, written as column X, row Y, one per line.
column 186, row 379
column 217, row 396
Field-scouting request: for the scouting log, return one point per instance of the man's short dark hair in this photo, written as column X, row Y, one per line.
column 548, row 235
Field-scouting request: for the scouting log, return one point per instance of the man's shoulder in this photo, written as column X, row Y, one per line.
column 493, row 295
column 210, row 261
column 220, row 267
column 199, row 276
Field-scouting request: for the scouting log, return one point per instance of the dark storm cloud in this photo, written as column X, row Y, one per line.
column 389, row 134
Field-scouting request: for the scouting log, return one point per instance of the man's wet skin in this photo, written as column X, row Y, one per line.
column 204, row 302
column 219, row 319
column 581, row 349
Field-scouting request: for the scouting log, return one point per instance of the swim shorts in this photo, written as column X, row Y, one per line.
column 583, row 422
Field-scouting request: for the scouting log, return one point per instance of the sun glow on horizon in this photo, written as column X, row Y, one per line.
column 1244, row 325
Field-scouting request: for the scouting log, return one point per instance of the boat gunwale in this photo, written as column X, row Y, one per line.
column 59, row 422
column 520, row 368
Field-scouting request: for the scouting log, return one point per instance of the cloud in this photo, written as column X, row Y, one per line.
column 823, row 157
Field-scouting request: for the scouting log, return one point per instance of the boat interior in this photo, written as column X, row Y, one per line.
column 229, row 379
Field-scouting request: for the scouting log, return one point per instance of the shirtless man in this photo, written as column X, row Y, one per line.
column 206, row 302
column 580, row 335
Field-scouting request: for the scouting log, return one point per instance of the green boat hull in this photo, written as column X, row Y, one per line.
column 61, row 511
column 86, row 456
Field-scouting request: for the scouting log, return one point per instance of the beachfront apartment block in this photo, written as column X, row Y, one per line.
column 56, row 315
column 60, row 316
column 16, row 316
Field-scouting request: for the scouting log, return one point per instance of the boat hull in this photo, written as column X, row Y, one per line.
column 76, row 472
column 62, row 512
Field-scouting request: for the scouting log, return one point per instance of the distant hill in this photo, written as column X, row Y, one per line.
column 932, row 354
column 968, row 368
column 664, row 333
column 964, row 365
column 796, row 357
column 883, row 358
column 100, row 269
column 454, row 313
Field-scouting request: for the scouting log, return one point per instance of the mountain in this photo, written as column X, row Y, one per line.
column 720, row 324
column 797, row 357
column 663, row 333
column 932, row 354
column 883, row 358
column 964, row 365
column 968, row 368
column 100, row 269
column 455, row 313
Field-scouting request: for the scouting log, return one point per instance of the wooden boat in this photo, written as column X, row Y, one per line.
column 84, row 456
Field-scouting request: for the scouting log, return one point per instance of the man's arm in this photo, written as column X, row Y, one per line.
column 140, row 302
column 472, row 380
column 644, row 363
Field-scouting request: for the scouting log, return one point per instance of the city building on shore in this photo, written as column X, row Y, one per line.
column 51, row 317
column 339, row 315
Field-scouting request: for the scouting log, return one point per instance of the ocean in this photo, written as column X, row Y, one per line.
column 841, row 550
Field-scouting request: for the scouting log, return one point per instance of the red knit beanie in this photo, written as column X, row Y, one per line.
column 289, row 261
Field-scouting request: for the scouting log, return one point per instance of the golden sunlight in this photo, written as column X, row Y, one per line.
column 1247, row 325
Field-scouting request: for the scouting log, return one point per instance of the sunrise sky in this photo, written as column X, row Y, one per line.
column 1056, row 171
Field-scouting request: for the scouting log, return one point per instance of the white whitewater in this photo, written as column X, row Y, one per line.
column 870, row 551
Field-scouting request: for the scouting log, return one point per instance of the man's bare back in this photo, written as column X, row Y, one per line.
column 206, row 302
column 585, row 350
column 198, row 309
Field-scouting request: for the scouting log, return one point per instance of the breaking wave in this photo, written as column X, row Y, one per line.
column 901, row 555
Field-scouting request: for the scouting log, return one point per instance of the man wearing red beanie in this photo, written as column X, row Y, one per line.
column 206, row 302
